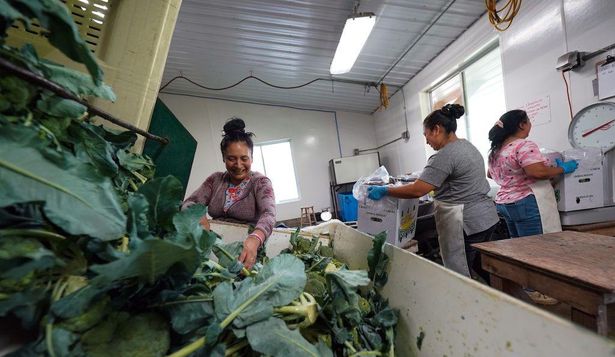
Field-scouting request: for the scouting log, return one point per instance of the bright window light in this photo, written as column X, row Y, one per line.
column 276, row 162
column 355, row 34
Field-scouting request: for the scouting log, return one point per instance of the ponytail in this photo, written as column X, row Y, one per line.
column 505, row 127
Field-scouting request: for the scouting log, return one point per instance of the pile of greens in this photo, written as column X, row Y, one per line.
column 96, row 259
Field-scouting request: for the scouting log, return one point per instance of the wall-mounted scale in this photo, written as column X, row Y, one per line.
column 593, row 127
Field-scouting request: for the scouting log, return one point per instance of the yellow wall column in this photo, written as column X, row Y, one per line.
column 134, row 54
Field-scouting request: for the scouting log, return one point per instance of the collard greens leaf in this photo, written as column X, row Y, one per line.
column 280, row 281
column 377, row 261
column 138, row 223
column 233, row 249
column 189, row 316
column 164, row 195
column 343, row 286
column 187, row 224
column 122, row 335
column 76, row 82
column 91, row 147
column 76, row 199
column 272, row 337
column 59, row 107
column 151, row 259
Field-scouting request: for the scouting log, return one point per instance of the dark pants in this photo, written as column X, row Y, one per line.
column 472, row 255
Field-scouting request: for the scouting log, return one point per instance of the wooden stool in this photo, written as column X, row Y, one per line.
column 308, row 215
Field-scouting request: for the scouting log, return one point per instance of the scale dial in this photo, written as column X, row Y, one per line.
column 594, row 126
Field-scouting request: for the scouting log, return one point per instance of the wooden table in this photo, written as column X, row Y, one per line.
column 576, row 268
column 604, row 228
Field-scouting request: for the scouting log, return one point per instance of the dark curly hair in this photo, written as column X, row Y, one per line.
column 445, row 117
column 235, row 131
column 508, row 125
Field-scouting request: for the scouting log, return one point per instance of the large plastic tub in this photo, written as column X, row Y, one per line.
column 456, row 315
column 349, row 206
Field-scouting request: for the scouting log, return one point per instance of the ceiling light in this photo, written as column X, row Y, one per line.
column 356, row 31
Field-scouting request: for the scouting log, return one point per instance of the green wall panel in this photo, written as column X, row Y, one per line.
column 176, row 157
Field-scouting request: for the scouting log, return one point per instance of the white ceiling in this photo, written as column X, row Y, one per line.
column 287, row 43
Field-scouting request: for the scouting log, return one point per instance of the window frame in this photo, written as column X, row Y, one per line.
column 473, row 58
column 259, row 145
column 460, row 70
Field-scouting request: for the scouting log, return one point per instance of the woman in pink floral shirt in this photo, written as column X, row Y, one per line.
column 514, row 164
column 239, row 194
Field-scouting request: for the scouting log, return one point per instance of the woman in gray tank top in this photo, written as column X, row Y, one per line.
column 464, row 213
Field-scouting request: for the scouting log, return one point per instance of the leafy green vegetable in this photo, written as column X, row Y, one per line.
column 89, row 319
column 377, row 261
column 96, row 257
column 131, row 336
column 278, row 283
column 164, row 196
column 189, row 316
column 150, row 260
column 273, row 338
column 27, row 175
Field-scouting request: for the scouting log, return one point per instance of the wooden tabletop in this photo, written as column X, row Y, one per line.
column 586, row 258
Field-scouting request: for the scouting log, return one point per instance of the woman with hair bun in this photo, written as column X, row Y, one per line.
column 464, row 213
column 238, row 194
column 525, row 199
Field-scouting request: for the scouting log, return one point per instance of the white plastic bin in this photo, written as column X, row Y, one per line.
column 458, row 316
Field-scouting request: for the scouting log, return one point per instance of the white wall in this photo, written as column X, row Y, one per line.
column 541, row 32
column 313, row 137
column 544, row 31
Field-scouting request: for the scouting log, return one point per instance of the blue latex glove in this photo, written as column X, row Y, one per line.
column 376, row 192
column 568, row 166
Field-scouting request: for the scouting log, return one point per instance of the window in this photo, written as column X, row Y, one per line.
column 479, row 87
column 275, row 161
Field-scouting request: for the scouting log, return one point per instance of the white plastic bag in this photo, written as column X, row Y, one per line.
column 587, row 158
column 380, row 177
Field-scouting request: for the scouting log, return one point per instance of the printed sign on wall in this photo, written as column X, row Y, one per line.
column 606, row 81
column 538, row 110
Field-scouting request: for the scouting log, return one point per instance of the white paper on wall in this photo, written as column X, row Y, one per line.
column 606, row 81
column 538, row 110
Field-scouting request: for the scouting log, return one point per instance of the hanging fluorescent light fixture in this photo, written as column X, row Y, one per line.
column 356, row 31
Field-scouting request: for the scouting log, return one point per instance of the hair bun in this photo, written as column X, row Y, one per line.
column 234, row 125
column 453, row 111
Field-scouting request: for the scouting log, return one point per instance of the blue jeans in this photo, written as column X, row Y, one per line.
column 522, row 217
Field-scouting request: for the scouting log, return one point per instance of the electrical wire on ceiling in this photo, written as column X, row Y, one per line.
column 509, row 11
column 384, row 99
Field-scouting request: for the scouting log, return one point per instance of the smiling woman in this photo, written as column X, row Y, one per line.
column 239, row 194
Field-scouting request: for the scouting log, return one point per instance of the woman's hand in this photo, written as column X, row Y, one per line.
column 568, row 166
column 376, row 192
column 205, row 223
column 250, row 249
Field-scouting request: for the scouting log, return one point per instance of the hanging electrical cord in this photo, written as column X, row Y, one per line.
column 568, row 95
column 243, row 80
column 384, row 95
column 511, row 9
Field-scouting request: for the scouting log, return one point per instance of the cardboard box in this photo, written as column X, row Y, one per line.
column 395, row 216
column 584, row 188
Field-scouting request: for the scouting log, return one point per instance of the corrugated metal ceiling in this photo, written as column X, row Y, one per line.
column 219, row 42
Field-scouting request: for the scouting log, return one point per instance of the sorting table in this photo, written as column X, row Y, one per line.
column 576, row 268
